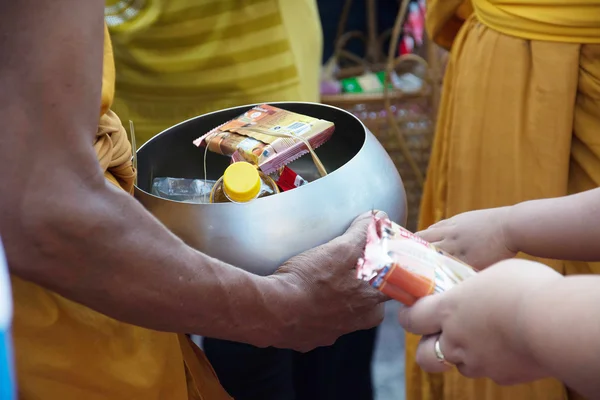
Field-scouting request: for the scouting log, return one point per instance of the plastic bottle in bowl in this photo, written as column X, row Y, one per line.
column 242, row 182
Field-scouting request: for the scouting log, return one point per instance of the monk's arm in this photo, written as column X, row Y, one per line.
column 65, row 228
column 565, row 228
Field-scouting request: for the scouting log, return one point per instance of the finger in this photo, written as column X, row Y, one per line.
column 365, row 296
column 362, row 218
column 432, row 235
column 367, row 217
column 356, row 235
column 375, row 295
column 373, row 318
column 440, row 223
column 449, row 246
column 379, row 214
column 424, row 317
column 355, row 238
column 359, row 227
column 427, row 358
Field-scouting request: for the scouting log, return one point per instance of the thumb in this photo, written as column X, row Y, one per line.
column 424, row 317
column 363, row 220
column 356, row 235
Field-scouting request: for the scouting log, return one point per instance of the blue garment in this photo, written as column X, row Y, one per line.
column 7, row 378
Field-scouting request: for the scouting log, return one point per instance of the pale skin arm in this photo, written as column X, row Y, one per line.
column 561, row 329
column 527, row 323
column 566, row 228
column 68, row 230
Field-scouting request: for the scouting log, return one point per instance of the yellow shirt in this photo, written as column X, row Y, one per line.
column 67, row 351
column 177, row 59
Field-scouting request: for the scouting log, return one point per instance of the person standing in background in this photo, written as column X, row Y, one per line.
column 177, row 59
column 519, row 120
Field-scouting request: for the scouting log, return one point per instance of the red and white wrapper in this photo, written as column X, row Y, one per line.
column 406, row 267
column 289, row 180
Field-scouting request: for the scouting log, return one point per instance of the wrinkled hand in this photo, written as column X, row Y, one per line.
column 477, row 237
column 480, row 326
column 329, row 300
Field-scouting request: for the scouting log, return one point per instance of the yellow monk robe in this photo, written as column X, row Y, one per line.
column 519, row 120
column 65, row 351
column 177, row 59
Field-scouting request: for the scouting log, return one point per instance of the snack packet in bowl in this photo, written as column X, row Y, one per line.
column 275, row 136
column 406, row 267
column 285, row 177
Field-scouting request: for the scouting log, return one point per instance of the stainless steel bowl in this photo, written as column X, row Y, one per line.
column 261, row 235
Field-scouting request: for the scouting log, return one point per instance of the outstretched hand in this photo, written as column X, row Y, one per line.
column 478, row 238
column 478, row 323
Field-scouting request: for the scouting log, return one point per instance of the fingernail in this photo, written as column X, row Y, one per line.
column 380, row 214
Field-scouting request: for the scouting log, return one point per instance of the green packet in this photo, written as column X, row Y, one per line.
column 367, row 83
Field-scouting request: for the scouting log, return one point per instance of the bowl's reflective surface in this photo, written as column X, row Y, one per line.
column 261, row 235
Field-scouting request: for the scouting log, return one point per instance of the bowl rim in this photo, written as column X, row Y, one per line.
column 249, row 106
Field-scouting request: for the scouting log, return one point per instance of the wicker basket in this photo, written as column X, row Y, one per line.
column 402, row 122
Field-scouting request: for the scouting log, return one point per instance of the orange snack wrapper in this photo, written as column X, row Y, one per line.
column 406, row 267
column 271, row 135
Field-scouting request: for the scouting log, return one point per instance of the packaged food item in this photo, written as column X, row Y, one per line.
column 406, row 267
column 416, row 23
column 407, row 45
column 242, row 182
column 227, row 143
column 184, row 190
column 275, row 136
column 287, row 179
column 374, row 83
column 367, row 83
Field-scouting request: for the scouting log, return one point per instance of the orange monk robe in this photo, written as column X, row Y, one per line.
column 519, row 119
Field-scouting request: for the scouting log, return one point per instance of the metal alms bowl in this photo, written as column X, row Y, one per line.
column 261, row 235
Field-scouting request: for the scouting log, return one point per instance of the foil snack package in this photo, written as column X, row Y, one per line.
column 270, row 134
column 285, row 177
column 406, row 267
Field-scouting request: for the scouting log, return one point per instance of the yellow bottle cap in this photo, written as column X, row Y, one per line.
column 241, row 182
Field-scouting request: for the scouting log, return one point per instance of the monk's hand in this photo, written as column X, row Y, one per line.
column 478, row 238
column 479, row 325
column 327, row 299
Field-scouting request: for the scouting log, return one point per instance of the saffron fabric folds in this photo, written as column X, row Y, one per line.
column 519, row 120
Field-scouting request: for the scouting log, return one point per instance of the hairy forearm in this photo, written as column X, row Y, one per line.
column 68, row 230
column 99, row 247
column 560, row 228
column 560, row 327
